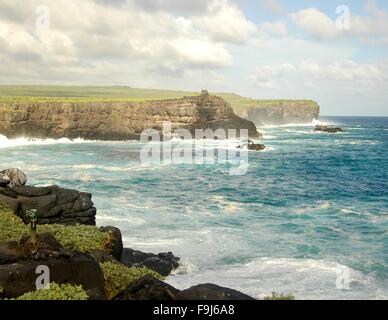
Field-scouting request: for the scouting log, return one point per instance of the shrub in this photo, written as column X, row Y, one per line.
column 276, row 296
column 118, row 277
column 11, row 226
column 79, row 238
column 57, row 292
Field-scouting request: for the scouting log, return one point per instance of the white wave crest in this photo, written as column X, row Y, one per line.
column 303, row 278
column 18, row 142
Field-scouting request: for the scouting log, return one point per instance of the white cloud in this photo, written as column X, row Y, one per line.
column 92, row 35
column 347, row 75
column 273, row 6
column 316, row 23
column 225, row 22
column 277, row 28
column 372, row 27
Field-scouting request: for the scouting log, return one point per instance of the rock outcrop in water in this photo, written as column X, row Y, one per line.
column 253, row 146
column 327, row 129
column 117, row 120
column 282, row 112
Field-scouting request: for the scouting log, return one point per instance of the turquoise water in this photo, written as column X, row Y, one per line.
column 310, row 206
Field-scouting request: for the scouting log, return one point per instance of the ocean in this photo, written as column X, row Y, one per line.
column 309, row 218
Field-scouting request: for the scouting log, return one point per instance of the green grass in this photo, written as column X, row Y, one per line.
column 118, row 277
column 57, row 292
column 80, row 94
column 78, row 238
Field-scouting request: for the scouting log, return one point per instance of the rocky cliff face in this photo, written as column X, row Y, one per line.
column 281, row 112
column 117, row 120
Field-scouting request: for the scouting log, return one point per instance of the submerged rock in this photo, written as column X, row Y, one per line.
column 328, row 129
column 19, row 262
column 162, row 263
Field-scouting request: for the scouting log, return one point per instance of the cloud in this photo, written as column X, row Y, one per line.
column 273, row 6
column 347, row 75
column 187, row 8
column 372, row 27
column 119, row 37
column 225, row 22
column 277, row 28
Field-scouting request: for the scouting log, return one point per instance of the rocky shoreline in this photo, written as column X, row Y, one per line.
column 105, row 269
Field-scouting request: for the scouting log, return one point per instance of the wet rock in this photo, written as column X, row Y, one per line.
column 254, row 146
column 328, row 129
column 148, row 288
column 162, row 263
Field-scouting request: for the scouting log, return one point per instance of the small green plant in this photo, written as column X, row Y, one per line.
column 281, row 296
column 118, row 277
column 57, row 292
column 79, row 238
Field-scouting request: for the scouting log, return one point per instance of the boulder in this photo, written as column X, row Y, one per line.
column 19, row 262
column 116, row 248
column 328, row 129
column 148, row 288
column 211, row 292
column 162, row 263
column 54, row 204
column 14, row 176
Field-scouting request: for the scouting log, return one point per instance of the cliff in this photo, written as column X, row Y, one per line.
column 119, row 120
column 279, row 111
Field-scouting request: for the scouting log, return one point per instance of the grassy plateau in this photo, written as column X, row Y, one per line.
column 35, row 94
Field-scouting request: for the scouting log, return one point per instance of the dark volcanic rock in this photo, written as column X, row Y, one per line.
column 254, row 146
column 54, row 204
column 19, row 262
column 148, row 288
column 116, row 249
column 162, row 263
column 211, row 292
column 327, row 129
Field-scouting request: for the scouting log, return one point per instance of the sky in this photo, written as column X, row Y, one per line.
column 333, row 52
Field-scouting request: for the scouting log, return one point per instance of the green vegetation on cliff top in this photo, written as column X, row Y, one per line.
column 22, row 93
